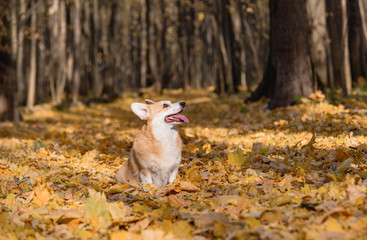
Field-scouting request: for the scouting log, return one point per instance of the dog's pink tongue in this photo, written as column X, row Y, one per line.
column 181, row 117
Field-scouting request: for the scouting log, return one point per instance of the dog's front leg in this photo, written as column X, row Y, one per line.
column 173, row 176
column 146, row 176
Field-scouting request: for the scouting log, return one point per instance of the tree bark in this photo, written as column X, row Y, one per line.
column 337, row 28
column 12, row 105
column 61, row 51
column 20, row 52
column 357, row 41
column 185, row 33
column 97, row 85
column 291, row 56
column 33, row 65
column 7, row 62
column 320, row 53
column 288, row 74
column 224, row 83
column 76, row 67
column 157, row 58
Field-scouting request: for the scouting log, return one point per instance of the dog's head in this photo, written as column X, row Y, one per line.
column 163, row 112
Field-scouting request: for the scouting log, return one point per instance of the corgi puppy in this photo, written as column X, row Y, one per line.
column 156, row 152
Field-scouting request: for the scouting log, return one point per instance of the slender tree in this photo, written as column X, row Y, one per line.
column 357, row 41
column 76, row 67
column 97, row 84
column 33, row 58
column 338, row 34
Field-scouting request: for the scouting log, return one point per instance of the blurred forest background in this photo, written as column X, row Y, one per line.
column 69, row 50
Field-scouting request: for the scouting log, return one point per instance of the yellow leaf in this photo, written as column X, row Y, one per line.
column 176, row 201
column 140, row 226
column 90, row 155
column 332, row 225
column 115, row 211
column 140, row 208
column 42, row 194
column 220, row 229
column 97, row 209
column 183, row 230
column 167, row 226
column 209, row 219
column 253, row 223
column 121, row 235
column 188, row 186
column 237, row 158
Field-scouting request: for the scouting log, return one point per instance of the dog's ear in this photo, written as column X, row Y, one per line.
column 148, row 101
column 141, row 110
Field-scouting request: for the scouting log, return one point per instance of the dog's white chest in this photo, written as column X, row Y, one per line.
column 170, row 146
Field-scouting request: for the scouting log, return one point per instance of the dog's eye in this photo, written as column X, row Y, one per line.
column 165, row 105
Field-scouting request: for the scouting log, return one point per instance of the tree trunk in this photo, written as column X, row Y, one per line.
column 76, row 67
column 288, row 74
column 357, row 42
column 97, row 85
column 185, row 39
column 225, row 84
column 7, row 61
column 320, row 53
column 61, row 51
column 291, row 56
column 267, row 84
column 52, row 69
column 33, row 58
column 362, row 4
column 20, row 53
column 149, row 42
column 157, row 60
column 337, row 28
column 239, row 55
column 12, row 104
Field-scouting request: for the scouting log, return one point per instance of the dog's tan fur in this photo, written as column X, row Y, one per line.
column 156, row 151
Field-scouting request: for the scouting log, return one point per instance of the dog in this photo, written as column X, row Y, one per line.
column 156, row 152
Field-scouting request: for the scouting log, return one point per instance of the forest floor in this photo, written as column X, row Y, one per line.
column 247, row 172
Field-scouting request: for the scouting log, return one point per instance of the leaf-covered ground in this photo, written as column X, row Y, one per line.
column 247, row 173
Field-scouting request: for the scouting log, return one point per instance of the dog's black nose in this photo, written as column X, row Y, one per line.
column 183, row 104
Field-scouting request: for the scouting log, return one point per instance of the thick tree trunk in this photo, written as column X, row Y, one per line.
column 288, row 74
column 291, row 56
column 338, row 33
